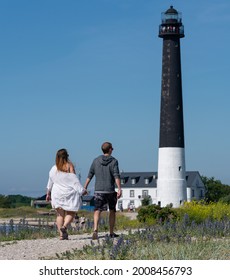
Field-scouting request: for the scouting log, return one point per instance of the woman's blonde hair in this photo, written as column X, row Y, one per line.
column 62, row 157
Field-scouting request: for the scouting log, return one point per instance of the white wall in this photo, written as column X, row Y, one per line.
column 125, row 199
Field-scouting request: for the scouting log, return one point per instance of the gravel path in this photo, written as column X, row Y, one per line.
column 42, row 248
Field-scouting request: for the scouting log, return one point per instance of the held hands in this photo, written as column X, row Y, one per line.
column 84, row 192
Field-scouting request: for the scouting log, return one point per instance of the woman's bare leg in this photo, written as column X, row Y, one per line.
column 60, row 218
column 68, row 218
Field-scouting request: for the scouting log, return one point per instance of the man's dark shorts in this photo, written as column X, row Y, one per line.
column 102, row 200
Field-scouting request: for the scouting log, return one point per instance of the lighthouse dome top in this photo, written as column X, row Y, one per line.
column 171, row 16
column 171, row 10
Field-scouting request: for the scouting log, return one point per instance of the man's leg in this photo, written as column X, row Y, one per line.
column 99, row 201
column 112, row 200
column 112, row 218
column 96, row 218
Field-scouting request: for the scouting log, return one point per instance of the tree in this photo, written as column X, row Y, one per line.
column 5, row 201
column 146, row 201
column 215, row 190
column 225, row 199
column 12, row 201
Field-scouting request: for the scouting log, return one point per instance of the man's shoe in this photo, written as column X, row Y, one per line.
column 95, row 235
column 113, row 235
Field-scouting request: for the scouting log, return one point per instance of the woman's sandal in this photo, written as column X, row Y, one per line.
column 64, row 235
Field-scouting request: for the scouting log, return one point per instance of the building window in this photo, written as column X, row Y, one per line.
column 145, row 193
column 131, row 193
column 201, row 194
column 146, row 181
column 133, row 181
column 122, row 181
column 193, row 193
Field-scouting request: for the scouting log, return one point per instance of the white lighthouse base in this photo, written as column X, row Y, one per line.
column 171, row 182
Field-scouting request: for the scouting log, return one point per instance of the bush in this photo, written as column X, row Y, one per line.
column 146, row 201
column 199, row 211
column 154, row 213
column 225, row 199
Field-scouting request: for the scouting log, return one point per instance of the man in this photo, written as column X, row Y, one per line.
column 106, row 170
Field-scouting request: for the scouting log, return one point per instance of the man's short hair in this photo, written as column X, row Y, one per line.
column 106, row 146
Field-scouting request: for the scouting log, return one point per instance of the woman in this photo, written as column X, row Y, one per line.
column 64, row 190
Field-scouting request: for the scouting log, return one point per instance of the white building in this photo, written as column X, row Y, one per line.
column 138, row 185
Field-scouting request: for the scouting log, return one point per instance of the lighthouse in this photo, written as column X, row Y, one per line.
column 171, row 182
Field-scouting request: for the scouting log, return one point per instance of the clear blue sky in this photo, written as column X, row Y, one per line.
column 76, row 73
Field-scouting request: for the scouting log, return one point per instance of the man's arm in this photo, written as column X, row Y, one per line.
column 86, row 185
column 116, row 174
column 90, row 176
column 118, row 183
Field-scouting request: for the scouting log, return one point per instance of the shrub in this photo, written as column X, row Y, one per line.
column 198, row 211
column 225, row 199
column 146, row 201
column 154, row 213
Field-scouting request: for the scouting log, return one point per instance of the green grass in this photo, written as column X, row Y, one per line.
column 20, row 212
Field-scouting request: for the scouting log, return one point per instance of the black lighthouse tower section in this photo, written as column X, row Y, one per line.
column 171, row 116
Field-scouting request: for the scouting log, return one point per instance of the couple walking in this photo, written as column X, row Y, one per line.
column 64, row 189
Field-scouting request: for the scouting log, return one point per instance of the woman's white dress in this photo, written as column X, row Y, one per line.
column 66, row 190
